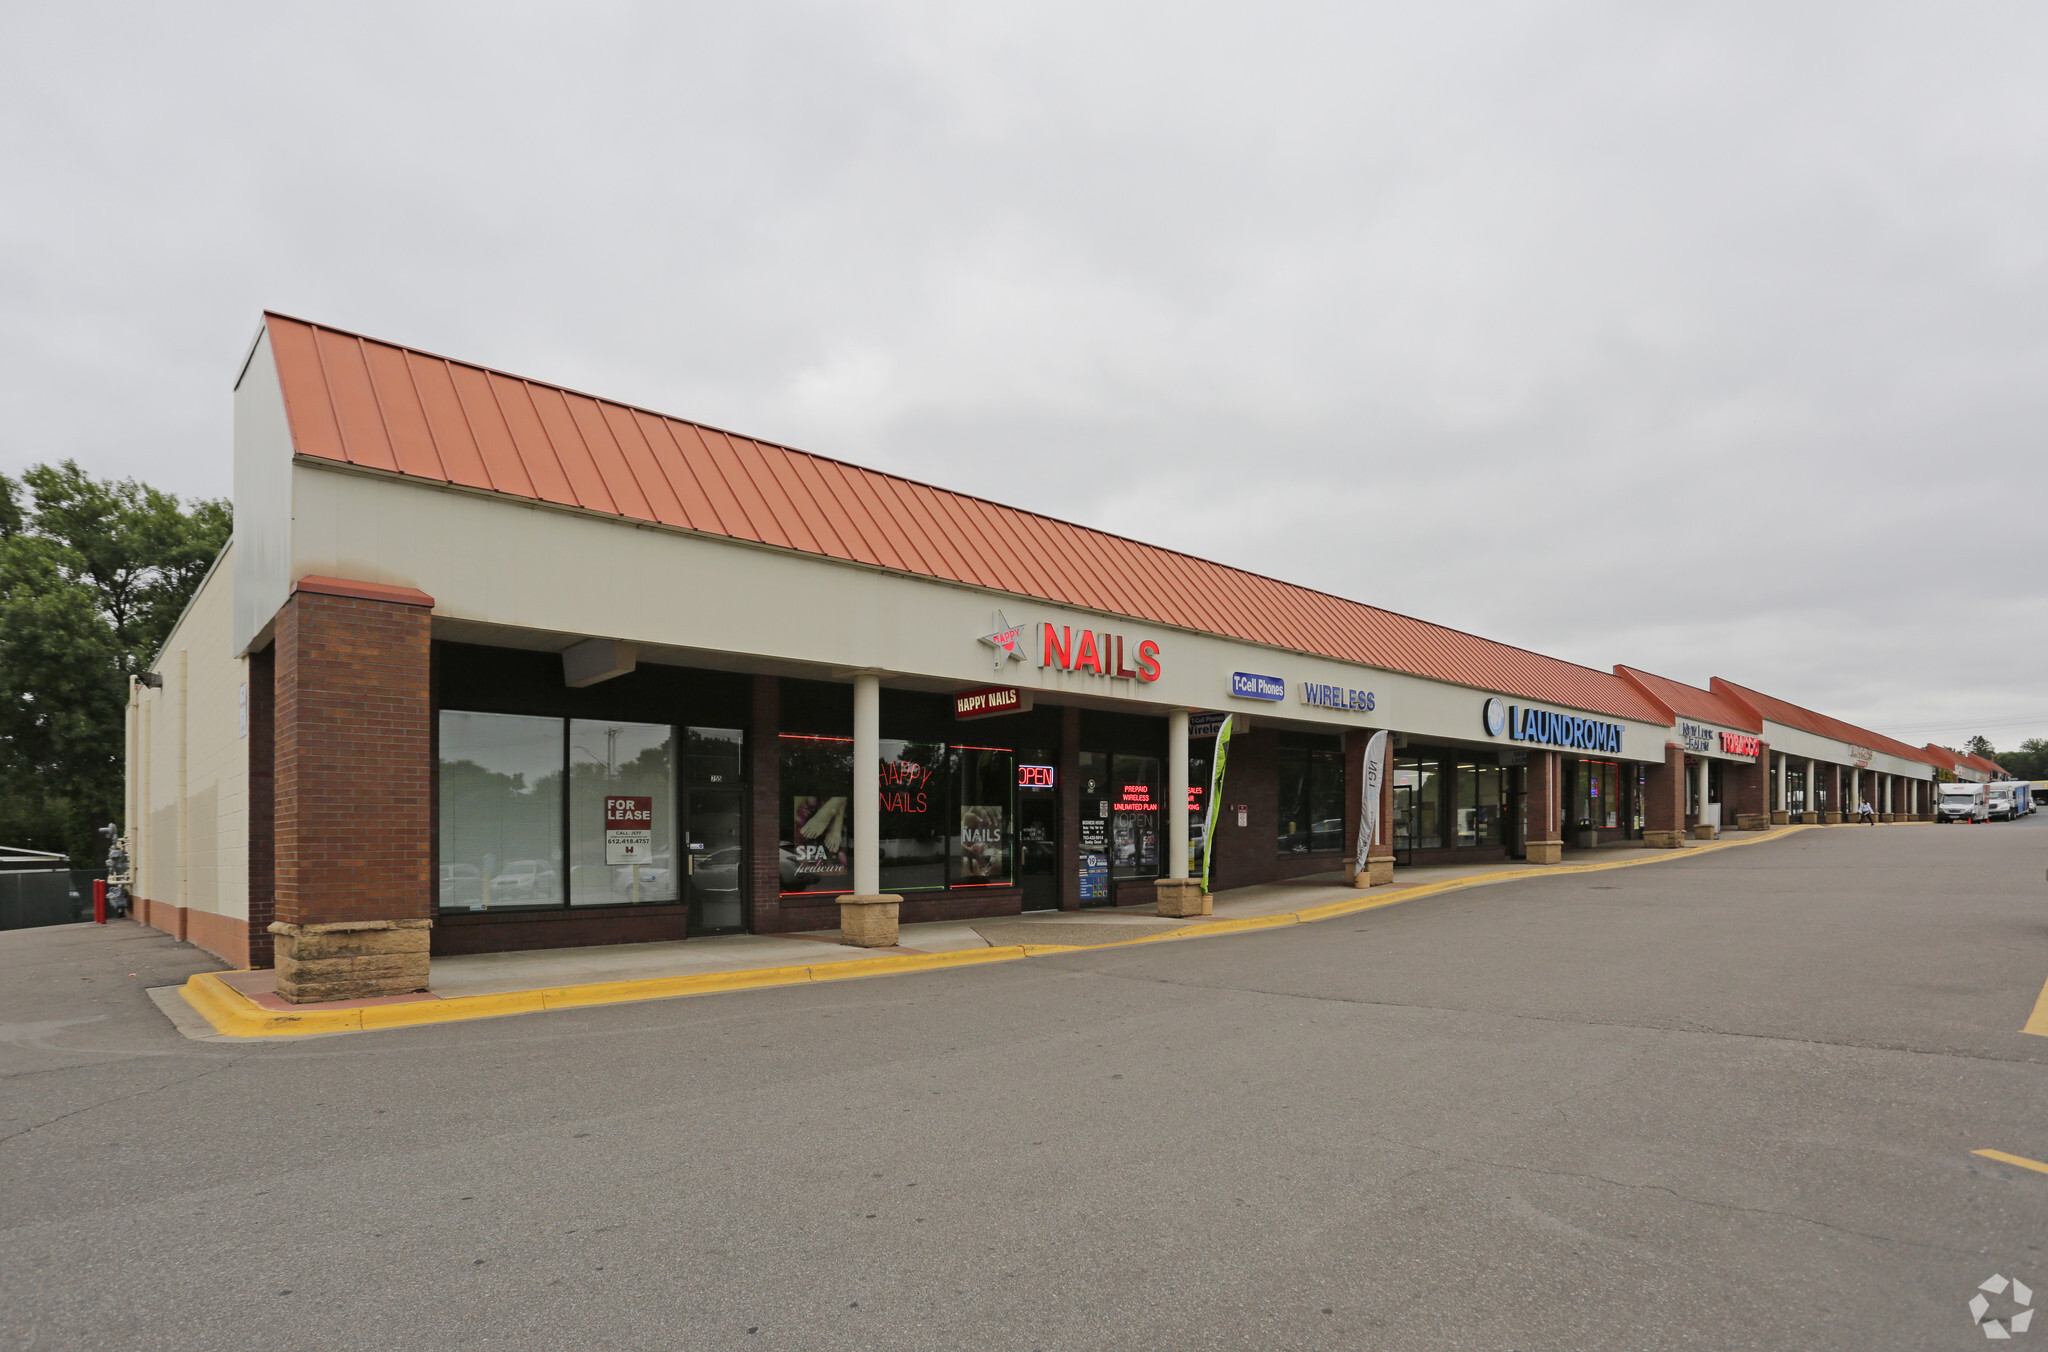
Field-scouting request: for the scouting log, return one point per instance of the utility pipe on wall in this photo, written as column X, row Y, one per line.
column 867, row 785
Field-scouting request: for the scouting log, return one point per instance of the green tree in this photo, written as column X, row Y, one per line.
column 93, row 574
column 2030, row 761
column 1980, row 745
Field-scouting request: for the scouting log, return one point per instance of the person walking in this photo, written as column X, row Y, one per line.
column 1868, row 815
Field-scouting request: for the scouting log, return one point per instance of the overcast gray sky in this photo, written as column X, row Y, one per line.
column 1713, row 339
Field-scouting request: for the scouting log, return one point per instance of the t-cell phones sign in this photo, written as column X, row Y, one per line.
column 628, row 830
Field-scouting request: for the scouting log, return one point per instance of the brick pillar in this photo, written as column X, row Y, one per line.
column 1664, row 801
column 353, row 789
column 262, row 804
column 1834, row 813
column 1752, row 793
column 1545, row 780
column 764, row 813
column 1070, row 809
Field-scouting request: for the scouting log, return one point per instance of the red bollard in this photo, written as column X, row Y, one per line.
column 99, row 901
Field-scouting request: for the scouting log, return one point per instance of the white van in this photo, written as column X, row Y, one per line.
column 1963, row 803
column 1998, row 802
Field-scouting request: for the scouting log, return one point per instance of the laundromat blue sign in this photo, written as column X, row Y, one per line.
column 1583, row 734
column 1251, row 685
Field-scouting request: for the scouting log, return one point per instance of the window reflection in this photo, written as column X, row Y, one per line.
column 618, row 771
column 501, row 810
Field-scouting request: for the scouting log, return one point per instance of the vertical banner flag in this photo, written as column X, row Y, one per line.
column 1374, row 774
column 1215, row 792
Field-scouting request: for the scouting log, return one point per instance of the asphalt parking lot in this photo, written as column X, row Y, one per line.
column 1720, row 1102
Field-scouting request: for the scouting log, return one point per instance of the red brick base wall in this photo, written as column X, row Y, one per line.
column 1664, row 792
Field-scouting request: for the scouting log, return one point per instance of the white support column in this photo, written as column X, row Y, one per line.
column 1856, row 789
column 867, row 785
column 1179, row 895
column 867, row 918
column 1812, row 786
column 1177, row 794
column 1699, row 834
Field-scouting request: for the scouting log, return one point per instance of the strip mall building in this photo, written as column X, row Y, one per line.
column 493, row 665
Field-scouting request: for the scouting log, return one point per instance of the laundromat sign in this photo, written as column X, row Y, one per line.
column 1549, row 729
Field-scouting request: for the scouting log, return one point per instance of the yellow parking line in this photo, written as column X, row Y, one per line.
column 2035, row 1165
column 2037, row 1022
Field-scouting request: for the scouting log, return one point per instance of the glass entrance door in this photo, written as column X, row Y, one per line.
column 715, row 861
column 1038, row 834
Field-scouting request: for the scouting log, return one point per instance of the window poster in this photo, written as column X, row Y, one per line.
column 982, row 852
column 823, row 833
column 1094, row 835
column 1094, row 877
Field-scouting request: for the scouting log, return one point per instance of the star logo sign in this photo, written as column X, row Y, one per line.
column 1007, row 640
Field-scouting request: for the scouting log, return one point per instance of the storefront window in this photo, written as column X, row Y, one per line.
column 816, row 852
column 501, row 810
column 1599, row 793
column 1417, row 805
column 622, row 813
column 1201, row 762
column 1795, row 788
column 914, row 817
column 1134, row 822
column 1479, row 804
column 980, row 847
column 1096, row 796
column 1311, row 799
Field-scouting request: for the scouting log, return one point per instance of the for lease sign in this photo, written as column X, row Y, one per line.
column 628, row 829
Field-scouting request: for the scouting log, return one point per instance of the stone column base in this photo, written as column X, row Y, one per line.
column 1886, row 817
column 1180, row 898
column 1834, row 818
column 1781, row 819
column 1379, row 871
column 350, row 959
column 1752, row 821
column 1705, row 831
column 1809, row 819
column 868, row 922
column 1664, row 840
column 1543, row 851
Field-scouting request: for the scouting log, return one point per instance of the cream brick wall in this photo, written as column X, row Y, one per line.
column 194, row 846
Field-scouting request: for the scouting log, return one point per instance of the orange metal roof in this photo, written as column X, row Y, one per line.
column 1798, row 716
column 1941, row 757
column 362, row 402
column 1691, row 701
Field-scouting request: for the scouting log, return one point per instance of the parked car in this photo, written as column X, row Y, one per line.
column 525, row 880
column 657, row 879
column 461, row 885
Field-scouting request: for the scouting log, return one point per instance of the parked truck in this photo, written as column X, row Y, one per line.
column 1962, row 802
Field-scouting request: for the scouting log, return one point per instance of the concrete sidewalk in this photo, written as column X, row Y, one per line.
column 481, row 985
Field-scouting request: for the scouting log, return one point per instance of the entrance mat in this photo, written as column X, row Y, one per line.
column 1079, row 933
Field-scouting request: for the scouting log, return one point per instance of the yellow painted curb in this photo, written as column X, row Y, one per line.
column 232, row 1013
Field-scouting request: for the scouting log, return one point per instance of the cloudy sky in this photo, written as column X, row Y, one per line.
column 1713, row 339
